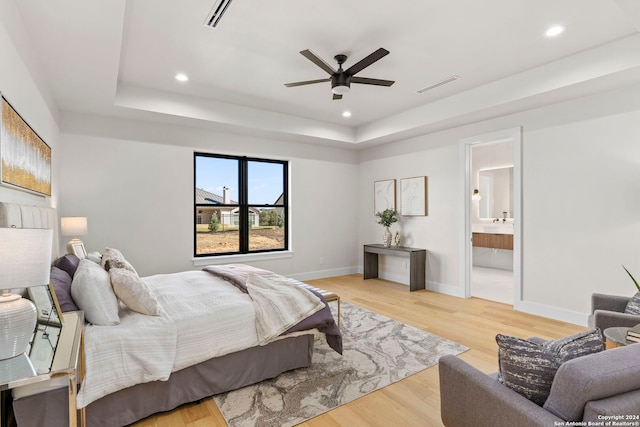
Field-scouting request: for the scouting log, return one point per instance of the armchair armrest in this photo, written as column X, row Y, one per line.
column 471, row 398
column 608, row 302
column 605, row 319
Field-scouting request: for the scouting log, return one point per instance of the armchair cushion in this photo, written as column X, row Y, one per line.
column 529, row 367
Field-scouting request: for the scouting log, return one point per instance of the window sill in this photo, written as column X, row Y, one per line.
column 226, row 259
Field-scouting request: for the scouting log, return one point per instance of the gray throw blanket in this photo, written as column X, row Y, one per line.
column 238, row 275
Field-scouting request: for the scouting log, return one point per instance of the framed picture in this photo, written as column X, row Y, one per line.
column 384, row 195
column 77, row 248
column 414, row 196
column 26, row 158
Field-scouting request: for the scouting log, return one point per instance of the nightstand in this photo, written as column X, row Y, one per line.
column 48, row 361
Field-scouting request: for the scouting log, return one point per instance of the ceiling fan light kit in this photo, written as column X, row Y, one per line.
column 340, row 89
column 341, row 79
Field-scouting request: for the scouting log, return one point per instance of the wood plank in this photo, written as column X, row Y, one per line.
column 414, row 401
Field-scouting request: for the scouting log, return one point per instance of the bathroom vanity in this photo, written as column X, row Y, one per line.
column 493, row 240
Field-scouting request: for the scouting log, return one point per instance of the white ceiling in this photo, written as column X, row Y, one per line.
column 119, row 58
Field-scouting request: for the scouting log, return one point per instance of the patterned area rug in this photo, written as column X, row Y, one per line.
column 378, row 351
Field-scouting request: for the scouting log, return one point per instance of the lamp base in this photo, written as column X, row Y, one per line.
column 16, row 368
column 17, row 323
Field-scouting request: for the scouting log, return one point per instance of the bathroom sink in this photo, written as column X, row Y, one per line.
column 493, row 228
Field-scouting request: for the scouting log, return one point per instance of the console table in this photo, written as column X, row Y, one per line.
column 417, row 262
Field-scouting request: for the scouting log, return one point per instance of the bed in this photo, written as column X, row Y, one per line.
column 179, row 358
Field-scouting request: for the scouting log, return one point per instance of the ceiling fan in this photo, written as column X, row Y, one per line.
column 341, row 79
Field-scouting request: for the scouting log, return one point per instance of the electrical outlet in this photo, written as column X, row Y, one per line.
column 321, row 260
column 406, row 265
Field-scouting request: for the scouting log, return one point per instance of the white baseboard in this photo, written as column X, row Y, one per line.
column 321, row 274
column 552, row 312
column 443, row 288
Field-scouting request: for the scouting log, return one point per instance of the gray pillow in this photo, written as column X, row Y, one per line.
column 633, row 306
column 528, row 368
column 68, row 263
column 61, row 282
column 92, row 292
column 577, row 345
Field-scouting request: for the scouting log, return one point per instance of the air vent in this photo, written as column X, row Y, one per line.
column 216, row 13
column 440, row 83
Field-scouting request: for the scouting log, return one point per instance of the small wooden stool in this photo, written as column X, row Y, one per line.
column 327, row 295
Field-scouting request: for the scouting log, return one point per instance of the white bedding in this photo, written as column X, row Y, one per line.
column 199, row 321
column 279, row 305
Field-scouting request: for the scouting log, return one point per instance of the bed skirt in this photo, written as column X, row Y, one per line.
column 191, row 384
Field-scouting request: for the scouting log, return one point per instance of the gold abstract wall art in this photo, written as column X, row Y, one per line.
column 26, row 158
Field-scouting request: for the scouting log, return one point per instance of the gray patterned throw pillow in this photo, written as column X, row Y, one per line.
column 528, row 368
column 633, row 306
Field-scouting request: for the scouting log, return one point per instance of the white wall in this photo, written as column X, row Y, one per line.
column 439, row 230
column 136, row 189
column 22, row 89
column 581, row 210
column 581, row 204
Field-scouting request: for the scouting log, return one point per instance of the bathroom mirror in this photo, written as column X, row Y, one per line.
column 496, row 192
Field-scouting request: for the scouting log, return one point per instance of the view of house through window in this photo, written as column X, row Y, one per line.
column 240, row 204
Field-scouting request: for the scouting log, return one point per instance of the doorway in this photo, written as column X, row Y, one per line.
column 492, row 219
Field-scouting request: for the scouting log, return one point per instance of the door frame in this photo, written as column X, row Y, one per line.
column 513, row 135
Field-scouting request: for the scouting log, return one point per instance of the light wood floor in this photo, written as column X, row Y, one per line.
column 414, row 401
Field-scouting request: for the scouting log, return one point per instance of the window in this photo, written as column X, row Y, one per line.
column 241, row 205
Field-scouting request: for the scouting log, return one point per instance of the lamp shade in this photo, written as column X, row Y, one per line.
column 74, row 226
column 25, row 257
column 25, row 261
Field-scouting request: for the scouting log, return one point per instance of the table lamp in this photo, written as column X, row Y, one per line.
column 73, row 226
column 25, row 261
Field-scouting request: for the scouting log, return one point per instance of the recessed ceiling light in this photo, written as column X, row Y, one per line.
column 346, row 114
column 181, row 77
column 554, row 30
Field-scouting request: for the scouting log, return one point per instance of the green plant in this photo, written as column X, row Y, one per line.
column 387, row 217
column 634, row 280
column 215, row 223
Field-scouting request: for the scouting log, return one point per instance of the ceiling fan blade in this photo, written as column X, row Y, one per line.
column 368, row 81
column 336, row 96
column 308, row 82
column 318, row 61
column 364, row 63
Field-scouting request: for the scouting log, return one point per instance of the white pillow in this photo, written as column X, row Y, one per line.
column 91, row 291
column 133, row 292
column 95, row 256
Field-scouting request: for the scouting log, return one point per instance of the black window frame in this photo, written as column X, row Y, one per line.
column 243, row 204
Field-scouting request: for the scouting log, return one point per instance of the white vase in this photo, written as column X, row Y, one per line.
column 386, row 237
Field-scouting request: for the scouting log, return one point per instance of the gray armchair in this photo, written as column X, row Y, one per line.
column 587, row 388
column 608, row 311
